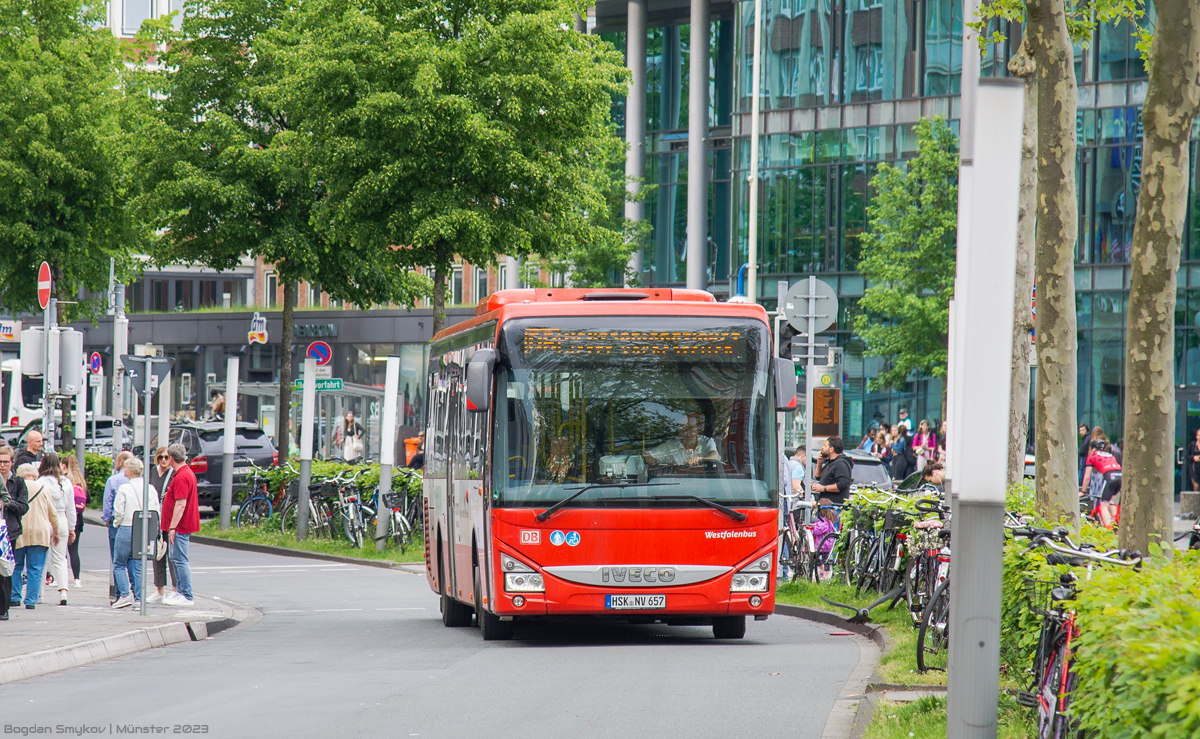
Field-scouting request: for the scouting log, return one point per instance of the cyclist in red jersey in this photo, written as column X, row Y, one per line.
column 1102, row 475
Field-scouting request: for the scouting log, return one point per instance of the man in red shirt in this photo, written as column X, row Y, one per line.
column 180, row 519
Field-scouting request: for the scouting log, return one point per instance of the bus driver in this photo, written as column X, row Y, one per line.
column 688, row 450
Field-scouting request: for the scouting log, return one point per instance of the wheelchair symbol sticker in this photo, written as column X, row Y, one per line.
column 572, row 538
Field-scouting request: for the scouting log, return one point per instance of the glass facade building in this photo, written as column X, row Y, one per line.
column 843, row 83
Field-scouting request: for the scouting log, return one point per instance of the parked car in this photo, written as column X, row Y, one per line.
column 868, row 470
column 101, row 444
column 205, row 444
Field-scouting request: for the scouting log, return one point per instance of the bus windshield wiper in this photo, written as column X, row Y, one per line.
column 541, row 517
column 735, row 515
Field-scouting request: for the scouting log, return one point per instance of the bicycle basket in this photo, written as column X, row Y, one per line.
column 1043, row 594
column 393, row 500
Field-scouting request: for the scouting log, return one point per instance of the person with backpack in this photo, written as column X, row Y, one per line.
column 14, row 503
column 904, row 459
column 833, row 471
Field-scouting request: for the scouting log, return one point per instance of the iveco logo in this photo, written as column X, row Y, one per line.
column 637, row 574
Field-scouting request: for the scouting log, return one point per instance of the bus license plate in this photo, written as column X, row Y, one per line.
column 635, row 602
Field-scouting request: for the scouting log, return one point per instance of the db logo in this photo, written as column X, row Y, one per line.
column 533, row 536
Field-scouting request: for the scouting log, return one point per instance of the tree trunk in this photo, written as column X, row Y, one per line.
column 1171, row 100
column 283, row 413
column 1054, row 261
column 1023, row 66
column 439, row 299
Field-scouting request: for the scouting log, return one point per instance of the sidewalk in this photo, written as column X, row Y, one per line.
column 53, row 637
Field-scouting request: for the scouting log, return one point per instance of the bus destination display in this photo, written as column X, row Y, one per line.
column 826, row 403
column 540, row 344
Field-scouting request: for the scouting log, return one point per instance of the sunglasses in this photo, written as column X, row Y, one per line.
column 160, row 457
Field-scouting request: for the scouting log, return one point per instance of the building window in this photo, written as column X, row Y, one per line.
column 456, row 287
column 134, row 12
column 208, row 294
column 481, row 279
column 314, row 295
column 159, row 293
column 271, row 294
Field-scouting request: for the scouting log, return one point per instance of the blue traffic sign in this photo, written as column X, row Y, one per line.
column 320, row 351
column 96, row 364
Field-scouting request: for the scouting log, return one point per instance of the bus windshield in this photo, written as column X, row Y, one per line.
column 641, row 416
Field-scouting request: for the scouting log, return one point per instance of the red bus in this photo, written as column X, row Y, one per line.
column 604, row 453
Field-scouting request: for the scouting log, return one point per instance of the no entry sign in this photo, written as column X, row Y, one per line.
column 44, row 285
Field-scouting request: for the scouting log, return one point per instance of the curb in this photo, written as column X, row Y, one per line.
column 303, row 554
column 46, row 661
column 876, row 634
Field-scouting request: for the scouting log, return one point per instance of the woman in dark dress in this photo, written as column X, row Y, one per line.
column 1194, row 461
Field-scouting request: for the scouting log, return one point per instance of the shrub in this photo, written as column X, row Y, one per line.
column 97, row 468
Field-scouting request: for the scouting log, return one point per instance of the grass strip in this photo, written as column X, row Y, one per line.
column 271, row 536
column 925, row 718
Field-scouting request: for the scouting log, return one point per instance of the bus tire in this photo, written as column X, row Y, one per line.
column 729, row 627
column 454, row 614
column 490, row 625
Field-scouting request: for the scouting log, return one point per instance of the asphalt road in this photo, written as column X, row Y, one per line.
column 345, row 650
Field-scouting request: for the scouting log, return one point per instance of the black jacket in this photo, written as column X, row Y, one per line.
column 836, row 471
column 15, row 508
column 25, row 457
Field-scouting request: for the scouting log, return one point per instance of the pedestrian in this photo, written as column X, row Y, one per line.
column 941, row 447
column 934, row 473
column 180, row 519
column 350, row 437
column 826, row 522
column 14, row 500
column 884, row 439
column 116, row 480
column 34, row 441
column 418, row 459
column 39, row 531
column 925, row 444
column 797, row 468
column 1102, row 479
column 904, row 461
column 79, row 487
column 160, row 477
column 1085, row 440
column 127, row 564
column 868, row 440
column 833, row 471
column 905, row 421
column 62, row 493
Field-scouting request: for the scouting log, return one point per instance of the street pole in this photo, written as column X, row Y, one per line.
column 983, row 312
column 50, row 339
column 81, row 425
column 231, row 390
column 387, row 450
column 164, row 410
column 147, row 460
column 755, row 106
column 306, row 444
column 120, row 348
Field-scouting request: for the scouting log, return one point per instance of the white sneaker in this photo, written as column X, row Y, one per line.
column 77, row 583
column 154, row 598
column 175, row 599
column 123, row 602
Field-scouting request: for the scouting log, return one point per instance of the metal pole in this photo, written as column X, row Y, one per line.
column 164, row 409
column 147, row 460
column 755, row 113
column 306, row 444
column 810, row 350
column 387, row 452
column 230, row 440
column 635, row 120
column 50, row 338
column 983, row 311
column 120, row 348
column 697, row 186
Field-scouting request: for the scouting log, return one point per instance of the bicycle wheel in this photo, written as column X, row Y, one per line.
column 850, row 558
column 826, row 560
column 287, row 516
column 933, row 640
column 867, row 575
column 893, row 567
column 351, row 525
column 253, row 512
column 1054, row 696
column 805, row 559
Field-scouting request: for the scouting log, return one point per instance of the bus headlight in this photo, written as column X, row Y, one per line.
column 753, row 578
column 523, row 582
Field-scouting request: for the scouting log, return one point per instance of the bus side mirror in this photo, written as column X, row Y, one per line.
column 479, row 380
column 785, row 385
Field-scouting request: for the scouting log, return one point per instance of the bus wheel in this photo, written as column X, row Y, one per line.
column 454, row 614
column 490, row 625
column 729, row 627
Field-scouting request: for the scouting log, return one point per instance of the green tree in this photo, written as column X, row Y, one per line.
column 223, row 178
column 908, row 259
column 458, row 129
column 64, row 183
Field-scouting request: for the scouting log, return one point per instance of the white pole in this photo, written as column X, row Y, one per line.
column 230, row 440
column 984, row 311
column 387, row 453
column 306, row 444
column 81, row 423
column 755, row 114
column 164, row 409
column 120, row 348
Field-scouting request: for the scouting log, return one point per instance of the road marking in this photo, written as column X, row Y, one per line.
column 283, row 611
column 262, row 567
column 401, row 609
column 335, row 610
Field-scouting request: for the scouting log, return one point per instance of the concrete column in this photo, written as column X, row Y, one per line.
column 512, row 274
column 697, row 214
column 635, row 117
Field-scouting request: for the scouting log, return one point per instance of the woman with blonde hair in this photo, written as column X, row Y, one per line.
column 79, row 483
column 50, row 475
column 39, row 531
